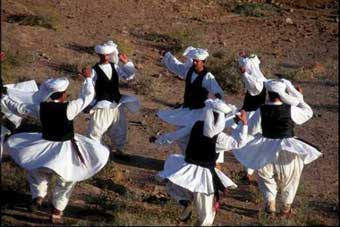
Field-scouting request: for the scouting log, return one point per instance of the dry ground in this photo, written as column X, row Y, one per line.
column 44, row 39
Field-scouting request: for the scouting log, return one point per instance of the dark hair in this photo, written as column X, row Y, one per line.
column 57, row 95
column 273, row 95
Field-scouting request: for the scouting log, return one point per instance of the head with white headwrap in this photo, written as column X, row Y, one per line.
column 114, row 58
column 214, row 117
column 277, row 90
column 251, row 65
column 56, row 87
column 196, row 56
column 104, row 51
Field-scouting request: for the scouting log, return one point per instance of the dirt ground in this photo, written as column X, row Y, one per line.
column 295, row 39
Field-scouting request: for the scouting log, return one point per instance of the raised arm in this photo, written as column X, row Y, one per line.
column 301, row 113
column 253, row 84
column 174, row 65
column 85, row 97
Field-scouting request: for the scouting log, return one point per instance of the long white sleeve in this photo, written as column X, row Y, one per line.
column 168, row 138
column 226, row 143
column 254, row 123
column 209, row 82
column 301, row 113
column 86, row 95
column 20, row 109
column 175, row 66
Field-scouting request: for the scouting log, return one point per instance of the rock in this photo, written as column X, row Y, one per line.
column 291, row 10
column 289, row 21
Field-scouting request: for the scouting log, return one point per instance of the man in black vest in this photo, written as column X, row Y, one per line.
column 107, row 112
column 194, row 176
column 275, row 152
column 56, row 151
column 253, row 80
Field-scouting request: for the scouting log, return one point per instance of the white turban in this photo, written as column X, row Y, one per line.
column 55, row 85
column 114, row 58
column 279, row 87
column 252, row 65
column 195, row 53
column 104, row 49
column 211, row 128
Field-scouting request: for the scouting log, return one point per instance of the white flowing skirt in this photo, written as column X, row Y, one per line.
column 261, row 151
column 192, row 177
column 180, row 116
column 31, row 151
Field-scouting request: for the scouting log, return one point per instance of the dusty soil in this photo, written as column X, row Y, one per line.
column 125, row 191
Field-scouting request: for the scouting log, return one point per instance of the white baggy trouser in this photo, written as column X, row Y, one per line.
column 38, row 180
column 288, row 169
column 103, row 119
column 204, row 203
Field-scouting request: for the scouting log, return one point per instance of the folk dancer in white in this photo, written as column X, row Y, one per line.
column 253, row 80
column 199, row 83
column 108, row 106
column 57, row 151
column 193, row 176
column 275, row 150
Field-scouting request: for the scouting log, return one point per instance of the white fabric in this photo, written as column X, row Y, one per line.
column 114, row 58
column 58, row 84
column 287, row 169
column 104, row 49
column 184, row 116
column 205, row 208
column 192, row 177
column 40, row 178
column 279, row 87
column 195, row 53
column 253, row 77
column 74, row 107
column 30, row 151
column 261, row 151
column 210, row 128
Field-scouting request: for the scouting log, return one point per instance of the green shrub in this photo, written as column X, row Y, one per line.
column 256, row 9
column 33, row 20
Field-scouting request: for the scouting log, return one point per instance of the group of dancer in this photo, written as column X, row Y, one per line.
column 262, row 137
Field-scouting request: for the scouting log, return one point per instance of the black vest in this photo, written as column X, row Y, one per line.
column 195, row 94
column 252, row 103
column 276, row 121
column 107, row 89
column 55, row 125
column 201, row 150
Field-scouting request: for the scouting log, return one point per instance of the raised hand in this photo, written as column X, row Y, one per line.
column 86, row 72
column 123, row 58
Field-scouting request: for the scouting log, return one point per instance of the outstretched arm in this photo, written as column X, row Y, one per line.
column 168, row 138
column 86, row 95
column 174, row 65
column 20, row 109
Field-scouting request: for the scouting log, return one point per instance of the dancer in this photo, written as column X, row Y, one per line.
column 57, row 151
column 275, row 150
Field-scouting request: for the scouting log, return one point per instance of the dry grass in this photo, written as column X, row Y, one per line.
column 225, row 69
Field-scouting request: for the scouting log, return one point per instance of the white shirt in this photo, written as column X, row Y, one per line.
column 182, row 69
column 74, row 107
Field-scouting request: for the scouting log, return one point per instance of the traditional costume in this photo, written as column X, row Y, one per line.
column 26, row 92
column 197, row 87
column 109, row 104
column 57, row 151
column 275, row 149
column 253, row 80
column 193, row 176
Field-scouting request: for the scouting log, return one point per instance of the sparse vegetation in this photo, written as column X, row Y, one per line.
column 32, row 20
column 256, row 9
column 225, row 69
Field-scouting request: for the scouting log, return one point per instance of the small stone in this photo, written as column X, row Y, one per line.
column 289, row 21
column 291, row 10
